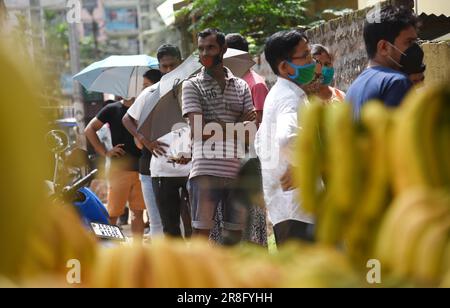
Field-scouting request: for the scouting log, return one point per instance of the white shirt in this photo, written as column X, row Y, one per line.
column 274, row 146
column 136, row 109
column 180, row 142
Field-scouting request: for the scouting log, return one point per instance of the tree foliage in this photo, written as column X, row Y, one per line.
column 256, row 19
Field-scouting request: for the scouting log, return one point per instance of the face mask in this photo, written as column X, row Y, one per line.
column 328, row 75
column 403, row 55
column 314, row 86
column 210, row 61
column 304, row 74
column 412, row 60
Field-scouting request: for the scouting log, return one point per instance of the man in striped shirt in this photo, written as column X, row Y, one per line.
column 216, row 102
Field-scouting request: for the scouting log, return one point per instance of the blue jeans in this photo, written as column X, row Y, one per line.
column 156, row 227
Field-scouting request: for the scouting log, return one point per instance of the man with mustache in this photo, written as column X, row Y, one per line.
column 212, row 100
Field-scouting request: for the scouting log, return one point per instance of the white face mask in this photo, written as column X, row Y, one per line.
column 395, row 47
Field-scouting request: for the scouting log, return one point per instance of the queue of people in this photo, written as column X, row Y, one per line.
column 223, row 190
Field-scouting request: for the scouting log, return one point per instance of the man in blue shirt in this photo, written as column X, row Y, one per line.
column 389, row 37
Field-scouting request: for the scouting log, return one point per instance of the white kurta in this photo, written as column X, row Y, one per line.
column 274, row 143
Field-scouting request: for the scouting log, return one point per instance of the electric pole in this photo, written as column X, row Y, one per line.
column 3, row 13
column 77, row 96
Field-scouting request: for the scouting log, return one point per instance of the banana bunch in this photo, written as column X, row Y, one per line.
column 420, row 144
column 414, row 237
column 308, row 165
column 446, row 281
column 316, row 266
column 342, row 173
column 36, row 239
column 351, row 159
column 365, row 165
column 374, row 197
column 22, row 160
column 171, row 263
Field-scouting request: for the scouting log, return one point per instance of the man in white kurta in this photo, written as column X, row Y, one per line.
column 289, row 55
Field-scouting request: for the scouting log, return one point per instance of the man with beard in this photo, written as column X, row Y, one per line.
column 212, row 100
column 391, row 42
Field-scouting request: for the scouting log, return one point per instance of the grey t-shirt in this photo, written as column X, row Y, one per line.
column 202, row 94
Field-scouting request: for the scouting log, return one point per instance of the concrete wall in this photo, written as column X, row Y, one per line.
column 437, row 60
column 344, row 38
column 436, row 7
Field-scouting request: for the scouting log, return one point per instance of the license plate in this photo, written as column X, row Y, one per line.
column 107, row 232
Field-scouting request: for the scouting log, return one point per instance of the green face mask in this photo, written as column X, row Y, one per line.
column 304, row 74
column 328, row 75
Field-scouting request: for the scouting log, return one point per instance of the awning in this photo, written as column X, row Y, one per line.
column 167, row 10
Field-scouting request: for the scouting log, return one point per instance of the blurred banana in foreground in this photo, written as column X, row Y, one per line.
column 308, row 168
column 174, row 264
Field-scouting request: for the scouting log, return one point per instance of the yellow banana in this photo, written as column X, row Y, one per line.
column 435, row 115
column 446, row 261
column 342, row 158
column 376, row 119
column 308, row 156
column 59, row 238
column 444, row 145
column 446, row 281
column 202, row 265
column 318, row 266
column 410, row 231
column 164, row 261
column 384, row 242
column 24, row 161
column 330, row 222
column 375, row 196
column 133, row 269
column 343, row 175
column 414, row 157
column 106, row 271
column 430, row 252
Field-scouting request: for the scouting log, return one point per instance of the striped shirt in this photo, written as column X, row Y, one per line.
column 202, row 94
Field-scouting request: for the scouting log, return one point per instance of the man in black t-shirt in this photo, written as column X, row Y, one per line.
column 124, row 184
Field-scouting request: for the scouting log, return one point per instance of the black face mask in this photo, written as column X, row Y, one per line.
column 412, row 60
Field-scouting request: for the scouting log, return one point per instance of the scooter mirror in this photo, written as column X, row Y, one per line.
column 57, row 141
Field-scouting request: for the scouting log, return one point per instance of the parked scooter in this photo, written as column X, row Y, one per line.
column 91, row 210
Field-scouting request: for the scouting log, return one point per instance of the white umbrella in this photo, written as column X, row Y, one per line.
column 162, row 109
column 118, row 75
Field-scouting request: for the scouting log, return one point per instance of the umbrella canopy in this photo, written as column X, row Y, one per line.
column 162, row 109
column 118, row 75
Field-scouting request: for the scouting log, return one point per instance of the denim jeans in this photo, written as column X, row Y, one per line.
column 156, row 227
column 206, row 193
